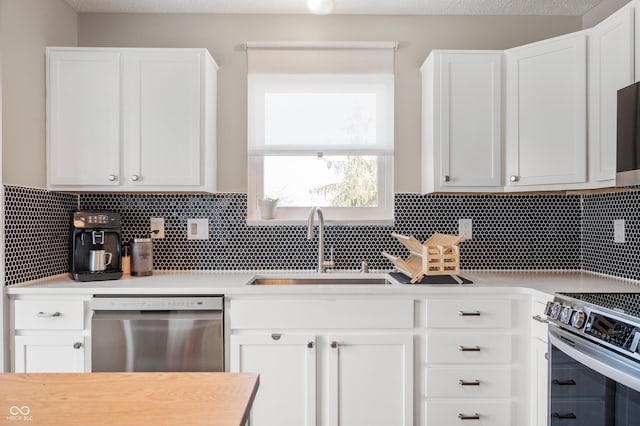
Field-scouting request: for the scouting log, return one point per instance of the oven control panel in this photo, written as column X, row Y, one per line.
column 604, row 327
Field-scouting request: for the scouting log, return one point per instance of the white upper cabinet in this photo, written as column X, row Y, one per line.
column 461, row 123
column 546, row 114
column 610, row 69
column 131, row 119
column 83, row 118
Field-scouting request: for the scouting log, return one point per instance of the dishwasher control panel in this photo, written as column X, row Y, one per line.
column 156, row 303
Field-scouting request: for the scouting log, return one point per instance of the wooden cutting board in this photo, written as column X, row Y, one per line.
column 114, row 399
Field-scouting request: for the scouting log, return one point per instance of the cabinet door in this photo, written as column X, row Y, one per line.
column 370, row 380
column 49, row 354
column 610, row 69
column 83, row 117
column 287, row 368
column 541, row 383
column 546, row 112
column 162, row 127
column 468, row 119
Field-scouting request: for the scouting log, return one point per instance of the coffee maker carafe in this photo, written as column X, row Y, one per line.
column 95, row 246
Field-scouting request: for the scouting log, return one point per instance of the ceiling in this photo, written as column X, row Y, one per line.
column 376, row 7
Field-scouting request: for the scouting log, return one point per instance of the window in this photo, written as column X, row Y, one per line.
column 320, row 130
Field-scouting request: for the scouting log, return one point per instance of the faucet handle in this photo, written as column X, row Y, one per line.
column 329, row 263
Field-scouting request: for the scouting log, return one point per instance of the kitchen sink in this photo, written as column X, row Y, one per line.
column 319, row 281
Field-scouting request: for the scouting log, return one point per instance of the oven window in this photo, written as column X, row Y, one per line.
column 584, row 397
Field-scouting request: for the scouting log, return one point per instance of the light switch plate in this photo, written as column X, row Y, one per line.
column 157, row 224
column 618, row 231
column 198, row 229
column 465, row 228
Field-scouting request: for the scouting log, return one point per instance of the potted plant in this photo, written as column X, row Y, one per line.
column 268, row 207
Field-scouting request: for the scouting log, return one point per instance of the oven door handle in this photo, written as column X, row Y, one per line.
column 604, row 361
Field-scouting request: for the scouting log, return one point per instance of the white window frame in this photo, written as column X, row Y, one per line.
column 383, row 214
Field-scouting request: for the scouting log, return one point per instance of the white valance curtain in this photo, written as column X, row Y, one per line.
column 308, row 97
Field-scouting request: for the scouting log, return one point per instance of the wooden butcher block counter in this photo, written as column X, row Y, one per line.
column 158, row 399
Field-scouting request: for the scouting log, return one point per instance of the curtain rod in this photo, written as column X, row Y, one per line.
column 321, row 45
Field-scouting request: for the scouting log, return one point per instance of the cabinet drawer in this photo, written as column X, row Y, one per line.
column 468, row 313
column 299, row 314
column 466, row 348
column 492, row 382
column 49, row 315
column 578, row 382
column 469, row 412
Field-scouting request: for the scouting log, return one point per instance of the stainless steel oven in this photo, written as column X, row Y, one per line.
column 594, row 359
column 144, row 333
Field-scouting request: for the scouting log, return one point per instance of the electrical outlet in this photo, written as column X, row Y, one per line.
column 157, row 227
column 465, row 228
column 618, row 231
column 198, row 229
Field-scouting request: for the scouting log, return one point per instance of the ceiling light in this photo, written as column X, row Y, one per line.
column 320, row 7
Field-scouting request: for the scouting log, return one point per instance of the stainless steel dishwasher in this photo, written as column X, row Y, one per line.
column 157, row 333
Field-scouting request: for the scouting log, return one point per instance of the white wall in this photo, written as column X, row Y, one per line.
column 224, row 35
column 26, row 28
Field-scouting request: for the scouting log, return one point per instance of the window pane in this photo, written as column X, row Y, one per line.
column 320, row 118
column 336, row 181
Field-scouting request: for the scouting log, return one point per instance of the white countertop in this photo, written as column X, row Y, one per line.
column 236, row 283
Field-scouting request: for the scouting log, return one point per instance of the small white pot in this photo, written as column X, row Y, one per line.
column 268, row 208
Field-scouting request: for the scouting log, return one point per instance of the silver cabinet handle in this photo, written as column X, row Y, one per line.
column 310, row 345
column 334, row 345
column 135, row 178
column 446, row 178
column 469, row 314
column 475, row 416
column 112, row 178
column 540, row 319
column 514, row 178
column 77, row 345
column 469, row 383
column 48, row 314
column 469, row 348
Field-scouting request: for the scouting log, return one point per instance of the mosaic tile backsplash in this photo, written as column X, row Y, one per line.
column 509, row 232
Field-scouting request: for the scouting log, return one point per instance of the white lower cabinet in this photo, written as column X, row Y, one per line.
column 50, row 335
column 469, row 362
column 370, row 380
column 287, row 367
column 480, row 413
column 49, row 354
column 539, row 363
column 331, row 373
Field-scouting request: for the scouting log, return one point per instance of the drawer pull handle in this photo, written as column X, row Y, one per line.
column 469, row 314
column 540, row 319
column 569, row 382
column 564, row 416
column 276, row 336
column 310, row 345
column 475, row 416
column 48, row 314
column 469, row 383
column 77, row 345
column 334, row 345
column 469, row 348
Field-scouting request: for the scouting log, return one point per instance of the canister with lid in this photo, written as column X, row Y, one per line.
column 141, row 257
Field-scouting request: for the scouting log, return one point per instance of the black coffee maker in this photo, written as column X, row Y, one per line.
column 95, row 246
